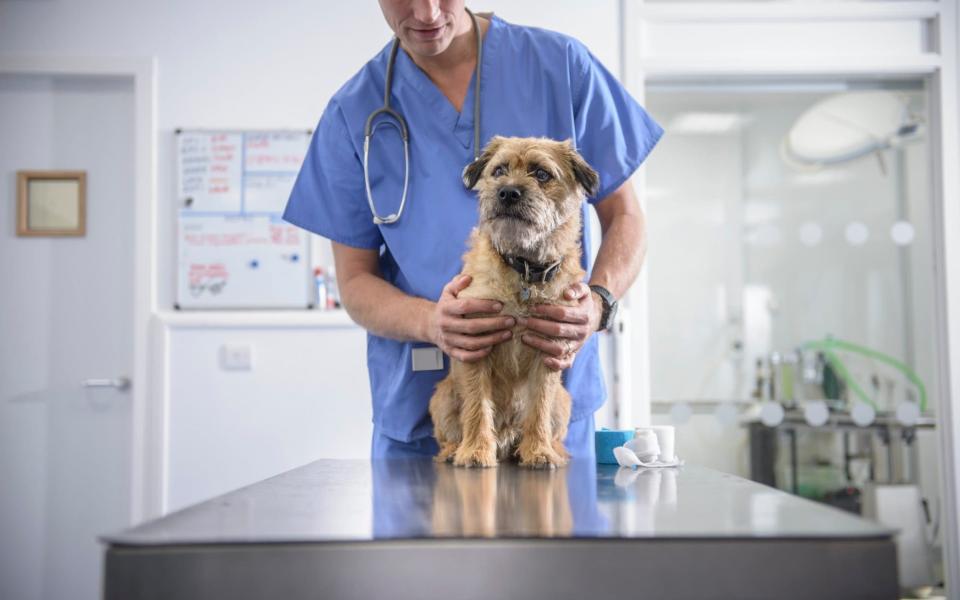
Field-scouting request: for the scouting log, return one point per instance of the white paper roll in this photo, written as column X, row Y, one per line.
column 626, row 457
column 645, row 445
column 665, row 439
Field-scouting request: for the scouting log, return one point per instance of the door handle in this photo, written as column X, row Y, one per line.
column 120, row 383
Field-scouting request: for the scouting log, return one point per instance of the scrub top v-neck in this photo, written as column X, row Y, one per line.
column 533, row 83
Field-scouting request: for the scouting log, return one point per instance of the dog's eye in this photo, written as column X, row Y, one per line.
column 498, row 172
column 541, row 175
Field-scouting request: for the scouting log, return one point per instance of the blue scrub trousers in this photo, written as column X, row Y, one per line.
column 579, row 443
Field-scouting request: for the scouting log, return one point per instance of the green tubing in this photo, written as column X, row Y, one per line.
column 841, row 368
column 828, row 345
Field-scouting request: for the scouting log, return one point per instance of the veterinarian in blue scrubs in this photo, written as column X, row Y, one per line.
column 399, row 280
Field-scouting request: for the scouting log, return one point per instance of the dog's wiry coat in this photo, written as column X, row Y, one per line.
column 509, row 403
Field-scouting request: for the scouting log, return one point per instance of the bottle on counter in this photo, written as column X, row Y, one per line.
column 333, row 292
column 786, row 383
column 773, row 376
column 760, row 388
column 321, row 287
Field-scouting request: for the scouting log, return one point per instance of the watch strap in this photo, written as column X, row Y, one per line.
column 608, row 304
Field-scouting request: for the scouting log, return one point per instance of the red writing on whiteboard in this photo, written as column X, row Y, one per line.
column 209, row 278
column 215, row 239
column 258, row 160
column 218, row 185
column 285, row 235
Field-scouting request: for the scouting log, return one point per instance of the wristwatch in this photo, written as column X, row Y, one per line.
column 609, row 307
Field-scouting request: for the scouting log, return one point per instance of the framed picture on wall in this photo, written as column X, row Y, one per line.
column 51, row 203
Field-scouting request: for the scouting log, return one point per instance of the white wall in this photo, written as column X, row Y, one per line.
column 299, row 403
column 243, row 64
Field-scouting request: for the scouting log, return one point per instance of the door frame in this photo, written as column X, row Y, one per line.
column 146, row 436
column 938, row 63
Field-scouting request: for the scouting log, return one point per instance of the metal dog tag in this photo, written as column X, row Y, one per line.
column 427, row 359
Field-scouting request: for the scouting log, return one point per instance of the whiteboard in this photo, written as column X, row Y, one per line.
column 233, row 248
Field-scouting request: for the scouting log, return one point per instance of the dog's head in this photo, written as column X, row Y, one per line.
column 528, row 188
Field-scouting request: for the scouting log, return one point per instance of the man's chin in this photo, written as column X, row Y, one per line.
column 428, row 48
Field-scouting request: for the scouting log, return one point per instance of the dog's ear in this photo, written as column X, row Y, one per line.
column 473, row 171
column 583, row 173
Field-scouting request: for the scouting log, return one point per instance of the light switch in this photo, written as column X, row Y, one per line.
column 236, row 357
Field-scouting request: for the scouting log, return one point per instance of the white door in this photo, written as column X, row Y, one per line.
column 66, row 317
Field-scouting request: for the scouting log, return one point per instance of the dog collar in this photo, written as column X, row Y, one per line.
column 531, row 272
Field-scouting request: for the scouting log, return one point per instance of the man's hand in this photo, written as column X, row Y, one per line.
column 560, row 331
column 468, row 328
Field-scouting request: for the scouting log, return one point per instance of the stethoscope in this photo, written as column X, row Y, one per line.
column 369, row 128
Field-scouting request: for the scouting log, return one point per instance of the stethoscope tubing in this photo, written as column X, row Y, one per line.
column 369, row 128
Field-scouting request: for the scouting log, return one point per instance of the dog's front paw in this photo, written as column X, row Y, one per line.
column 476, row 456
column 541, row 457
column 447, row 450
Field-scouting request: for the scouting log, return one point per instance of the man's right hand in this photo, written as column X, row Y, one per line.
column 467, row 328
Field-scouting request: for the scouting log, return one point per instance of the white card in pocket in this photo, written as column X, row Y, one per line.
column 427, row 359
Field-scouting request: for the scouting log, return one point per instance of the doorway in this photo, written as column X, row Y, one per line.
column 67, row 316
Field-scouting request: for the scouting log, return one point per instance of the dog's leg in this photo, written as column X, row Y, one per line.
column 561, row 419
column 536, row 445
column 445, row 412
column 474, row 387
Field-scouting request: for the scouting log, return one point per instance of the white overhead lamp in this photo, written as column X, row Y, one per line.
column 847, row 126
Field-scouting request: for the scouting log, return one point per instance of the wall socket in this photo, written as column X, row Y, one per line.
column 236, row 357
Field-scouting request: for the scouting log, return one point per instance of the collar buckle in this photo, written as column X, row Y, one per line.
column 531, row 272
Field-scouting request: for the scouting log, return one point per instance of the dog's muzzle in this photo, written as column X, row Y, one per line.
column 509, row 194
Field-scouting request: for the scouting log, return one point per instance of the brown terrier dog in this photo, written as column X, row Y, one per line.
column 524, row 251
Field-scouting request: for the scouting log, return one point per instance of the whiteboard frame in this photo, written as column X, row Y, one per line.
column 175, row 272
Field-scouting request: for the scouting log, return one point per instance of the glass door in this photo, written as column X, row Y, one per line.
column 791, row 285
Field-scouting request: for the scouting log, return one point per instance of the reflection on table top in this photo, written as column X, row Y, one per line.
column 358, row 500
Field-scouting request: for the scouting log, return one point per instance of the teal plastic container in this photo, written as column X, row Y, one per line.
column 607, row 440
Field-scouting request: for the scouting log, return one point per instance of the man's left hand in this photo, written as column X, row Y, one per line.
column 560, row 331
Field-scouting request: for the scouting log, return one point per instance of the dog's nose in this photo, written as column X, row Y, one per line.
column 509, row 193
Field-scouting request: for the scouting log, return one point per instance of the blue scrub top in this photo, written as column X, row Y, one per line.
column 533, row 83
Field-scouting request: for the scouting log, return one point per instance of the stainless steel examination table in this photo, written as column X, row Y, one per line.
column 412, row 529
